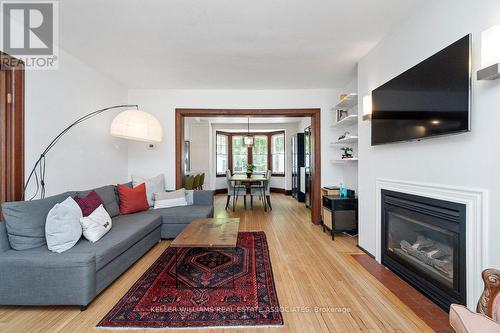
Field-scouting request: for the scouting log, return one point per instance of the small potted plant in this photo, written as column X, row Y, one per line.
column 347, row 152
column 250, row 169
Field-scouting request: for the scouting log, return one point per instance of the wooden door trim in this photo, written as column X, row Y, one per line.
column 314, row 113
column 14, row 164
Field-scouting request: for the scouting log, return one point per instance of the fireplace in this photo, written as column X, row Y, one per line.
column 423, row 241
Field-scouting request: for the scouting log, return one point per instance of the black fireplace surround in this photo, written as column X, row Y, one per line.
column 423, row 241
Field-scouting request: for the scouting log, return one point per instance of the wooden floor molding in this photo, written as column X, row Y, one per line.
column 320, row 286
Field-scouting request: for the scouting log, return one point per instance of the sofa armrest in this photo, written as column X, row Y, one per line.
column 4, row 238
column 465, row 321
column 203, row 198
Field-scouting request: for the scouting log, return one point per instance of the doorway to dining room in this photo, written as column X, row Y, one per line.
column 223, row 145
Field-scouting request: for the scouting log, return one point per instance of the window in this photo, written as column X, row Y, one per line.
column 239, row 154
column 267, row 153
column 260, row 153
column 278, row 153
column 222, row 152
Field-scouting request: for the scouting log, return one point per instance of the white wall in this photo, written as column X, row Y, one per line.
column 199, row 136
column 87, row 156
column 276, row 182
column 467, row 160
column 162, row 103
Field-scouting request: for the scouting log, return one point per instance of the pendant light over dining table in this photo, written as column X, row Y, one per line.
column 248, row 139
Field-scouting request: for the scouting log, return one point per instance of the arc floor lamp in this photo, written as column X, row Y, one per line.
column 132, row 124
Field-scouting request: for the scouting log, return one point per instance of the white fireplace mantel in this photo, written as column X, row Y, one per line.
column 476, row 202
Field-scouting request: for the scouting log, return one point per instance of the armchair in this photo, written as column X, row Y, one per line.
column 487, row 318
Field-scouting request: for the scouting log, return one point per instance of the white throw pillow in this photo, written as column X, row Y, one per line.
column 62, row 226
column 96, row 224
column 170, row 199
column 153, row 185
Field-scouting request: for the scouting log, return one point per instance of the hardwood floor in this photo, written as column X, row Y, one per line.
column 310, row 270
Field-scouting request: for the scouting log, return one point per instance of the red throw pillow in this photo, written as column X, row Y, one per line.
column 89, row 203
column 132, row 200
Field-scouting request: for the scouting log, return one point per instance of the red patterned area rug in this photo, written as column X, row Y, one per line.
column 214, row 288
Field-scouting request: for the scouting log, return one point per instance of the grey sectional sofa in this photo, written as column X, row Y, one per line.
column 30, row 274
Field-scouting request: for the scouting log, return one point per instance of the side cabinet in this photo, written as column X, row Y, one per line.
column 340, row 214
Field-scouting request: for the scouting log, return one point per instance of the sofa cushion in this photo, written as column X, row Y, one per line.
column 4, row 239
column 170, row 199
column 108, row 197
column 82, row 254
column 153, row 185
column 25, row 220
column 132, row 200
column 89, row 203
column 127, row 230
column 96, row 225
column 62, row 228
column 183, row 214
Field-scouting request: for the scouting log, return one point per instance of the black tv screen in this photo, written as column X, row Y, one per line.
column 430, row 99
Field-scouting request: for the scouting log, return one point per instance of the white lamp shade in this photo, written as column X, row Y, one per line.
column 490, row 46
column 136, row 125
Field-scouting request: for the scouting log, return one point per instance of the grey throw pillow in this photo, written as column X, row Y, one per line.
column 25, row 220
column 63, row 229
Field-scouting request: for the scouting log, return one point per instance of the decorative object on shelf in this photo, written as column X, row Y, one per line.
column 248, row 139
column 347, row 152
column 341, row 114
column 343, row 136
column 130, row 124
column 367, row 107
column 250, row 169
column 348, row 102
column 490, row 54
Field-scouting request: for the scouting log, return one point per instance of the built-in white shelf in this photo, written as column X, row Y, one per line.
column 347, row 103
column 346, row 122
column 347, row 140
column 345, row 160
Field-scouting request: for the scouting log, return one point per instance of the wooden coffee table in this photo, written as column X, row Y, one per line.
column 220, row 233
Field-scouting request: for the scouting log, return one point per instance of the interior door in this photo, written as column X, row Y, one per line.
column 11, row 128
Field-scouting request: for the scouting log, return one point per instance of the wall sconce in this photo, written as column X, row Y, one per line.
column 490, row 54
column 367, row 107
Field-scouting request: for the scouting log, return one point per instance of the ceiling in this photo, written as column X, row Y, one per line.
column 227, row 44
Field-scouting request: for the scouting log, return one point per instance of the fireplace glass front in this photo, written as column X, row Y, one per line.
column 424, row 247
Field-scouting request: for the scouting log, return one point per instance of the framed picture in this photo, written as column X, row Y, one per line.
column 341, row 114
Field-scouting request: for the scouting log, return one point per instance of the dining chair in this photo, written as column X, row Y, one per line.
column 202, row 181
column 189, row 182
column 196, row 183
column 263, row 190
column 235, row 191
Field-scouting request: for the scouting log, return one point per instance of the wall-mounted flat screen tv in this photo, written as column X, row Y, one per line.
column 430, row 99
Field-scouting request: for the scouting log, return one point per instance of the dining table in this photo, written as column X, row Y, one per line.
column 243, row 179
